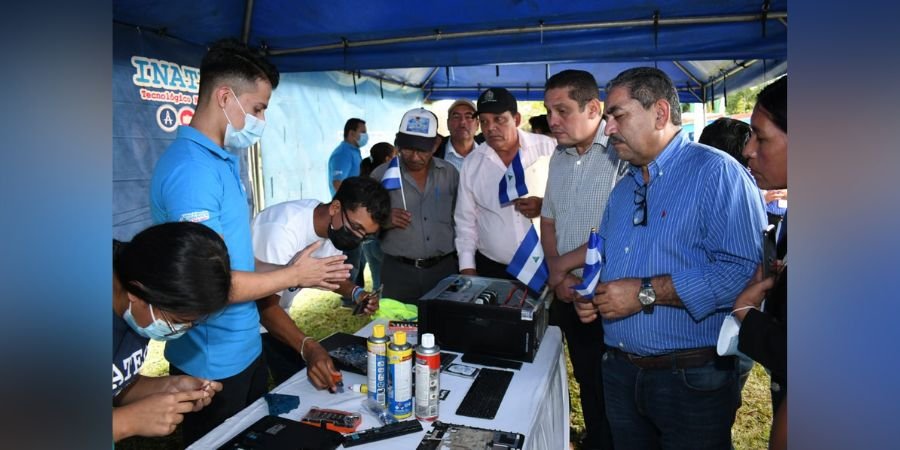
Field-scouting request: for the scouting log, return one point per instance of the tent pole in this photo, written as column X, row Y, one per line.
column 675, row 21
column 738, row 67
column 428, row 79
column 248, row 16
column 525, row 88
column 688, row 73
column 699, row 122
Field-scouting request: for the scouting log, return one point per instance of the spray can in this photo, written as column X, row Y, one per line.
column 376, row 358
column 399, row 398
column 428, row 378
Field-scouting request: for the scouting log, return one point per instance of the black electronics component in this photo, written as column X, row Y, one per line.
column 447, row 435
column 278, row 433
column 384, row 432
column 486, row 394
column 332, row 419
column 492, row 316
column 446, row 359
column 347, row 351
column 485, row 360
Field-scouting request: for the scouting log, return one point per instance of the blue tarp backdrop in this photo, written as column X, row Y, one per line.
column 407, row 52
column 433, row 45
column 305, row 122
column 154, row 84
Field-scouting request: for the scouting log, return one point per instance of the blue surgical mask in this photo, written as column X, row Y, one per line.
column 363, row 139
column 158, row 329
column 237, row 140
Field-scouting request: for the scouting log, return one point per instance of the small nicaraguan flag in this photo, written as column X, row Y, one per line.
column 512, row 185
column 391, row 178
column 593, row 262
column 528, row 263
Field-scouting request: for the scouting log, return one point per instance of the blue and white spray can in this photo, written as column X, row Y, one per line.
column 400, row 361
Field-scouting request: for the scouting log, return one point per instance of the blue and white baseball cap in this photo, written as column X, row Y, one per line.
column 418, row 130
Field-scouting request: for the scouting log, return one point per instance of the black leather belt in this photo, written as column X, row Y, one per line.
column 676, row 360
column 423, row 263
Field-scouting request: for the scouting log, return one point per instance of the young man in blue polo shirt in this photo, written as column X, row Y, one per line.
column 197, row 179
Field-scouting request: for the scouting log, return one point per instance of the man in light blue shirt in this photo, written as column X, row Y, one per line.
column 345, row 159
column 197, row 179
column 681, row 233
column 344, row 163
column 463, row 125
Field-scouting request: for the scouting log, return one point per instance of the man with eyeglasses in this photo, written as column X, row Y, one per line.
column 358, row 210
column 681, row 240
column 463, row 125
column 418, row 242
column 582, row 173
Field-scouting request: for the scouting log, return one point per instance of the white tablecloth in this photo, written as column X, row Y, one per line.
column 536, row 403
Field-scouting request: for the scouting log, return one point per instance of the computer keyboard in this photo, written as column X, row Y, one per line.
column 486, row 393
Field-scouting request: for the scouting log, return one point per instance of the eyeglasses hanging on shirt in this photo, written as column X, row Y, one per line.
column 640, row 201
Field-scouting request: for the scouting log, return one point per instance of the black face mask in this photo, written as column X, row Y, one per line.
column 342, row 238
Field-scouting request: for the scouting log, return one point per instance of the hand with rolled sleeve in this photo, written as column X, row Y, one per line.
column 618, row 298
column 529, row 207
column 400, row 218
column 319, row 366
column 753, row 295
column 187, row 383
column 563, row 290
column 154, row 406
column 371, row 301
column 323, row 273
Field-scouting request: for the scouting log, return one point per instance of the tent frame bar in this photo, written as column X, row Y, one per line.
column 439, row 35
column 248, row 17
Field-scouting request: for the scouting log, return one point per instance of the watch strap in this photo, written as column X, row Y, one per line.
column 646, row 284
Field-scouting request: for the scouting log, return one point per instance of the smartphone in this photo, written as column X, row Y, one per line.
column 361, row 306
column 768, row 251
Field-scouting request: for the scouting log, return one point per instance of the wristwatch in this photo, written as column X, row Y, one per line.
column 647, row 295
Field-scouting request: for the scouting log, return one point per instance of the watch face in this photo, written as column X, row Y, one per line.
column 647, row 296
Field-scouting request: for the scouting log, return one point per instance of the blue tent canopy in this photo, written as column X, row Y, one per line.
column 455, row 49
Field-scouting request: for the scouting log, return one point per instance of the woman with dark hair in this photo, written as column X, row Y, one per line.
column 763, row 332
column 381, row 153
column 168, row 278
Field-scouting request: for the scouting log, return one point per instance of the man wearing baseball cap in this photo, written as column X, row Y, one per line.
column 463, row 124
column 488, row 232
column 418, row 243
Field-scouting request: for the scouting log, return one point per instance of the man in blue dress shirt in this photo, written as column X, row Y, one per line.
column 681, row 233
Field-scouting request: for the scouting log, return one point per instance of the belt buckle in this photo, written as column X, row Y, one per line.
column 417, row 263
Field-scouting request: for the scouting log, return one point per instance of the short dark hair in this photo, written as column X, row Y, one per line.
column 728, row 135
column 381, row 151
column 363, row 191
column 228, row 59
column 377, row 156
column 581, row 85
column 773, row 100
column 351, row 125
column 647, row 85
column 181, row 267
column 540, row 122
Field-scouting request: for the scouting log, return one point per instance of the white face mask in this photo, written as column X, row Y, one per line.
column 728, row 337
column 237, row 140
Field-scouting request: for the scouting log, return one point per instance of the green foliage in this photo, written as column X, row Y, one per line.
column 742, row 101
